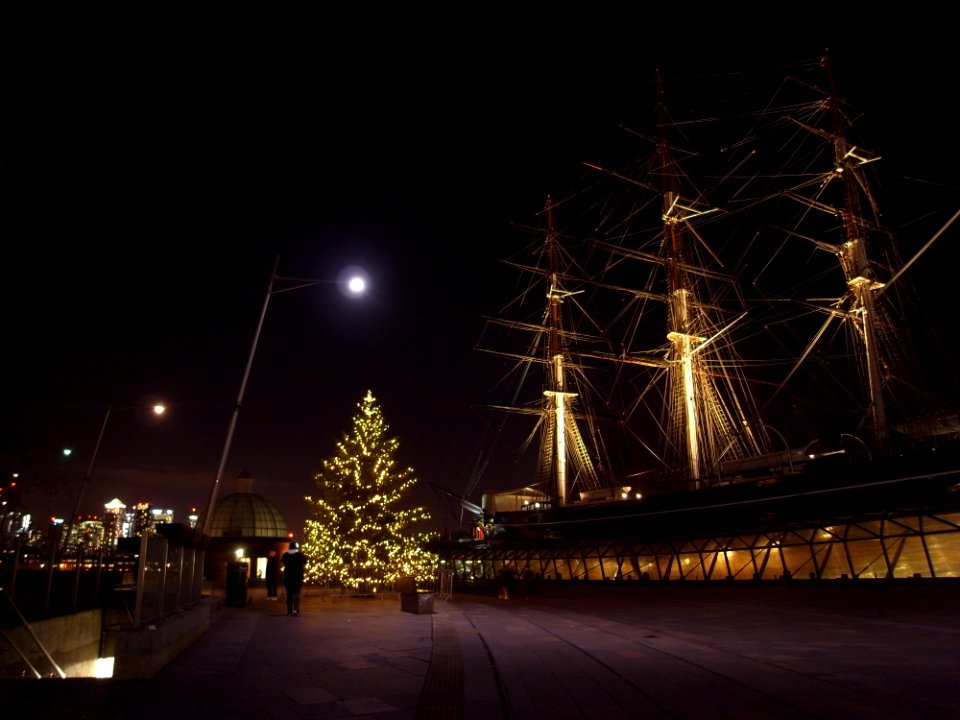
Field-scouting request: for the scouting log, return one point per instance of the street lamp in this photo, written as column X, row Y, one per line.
column 353, row 282
column 157, row 409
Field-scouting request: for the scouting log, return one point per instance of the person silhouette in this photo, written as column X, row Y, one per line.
column 272, row 574
column 294, row 563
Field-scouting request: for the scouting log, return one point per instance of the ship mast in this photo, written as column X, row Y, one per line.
column 562, row 438
column 856, row 266
column 552, row 379
column 689, row 385
column 704, row 411
column 556, row 392
column 679, row 320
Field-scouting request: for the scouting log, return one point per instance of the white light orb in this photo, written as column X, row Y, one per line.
column 356, row 285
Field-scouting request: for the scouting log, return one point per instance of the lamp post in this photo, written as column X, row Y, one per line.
column 355, row 285
column 156, row 409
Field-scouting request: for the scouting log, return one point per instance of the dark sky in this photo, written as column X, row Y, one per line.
column 151, row 173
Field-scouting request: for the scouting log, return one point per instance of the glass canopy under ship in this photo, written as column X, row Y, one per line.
column 244, row 514
column 918, row 543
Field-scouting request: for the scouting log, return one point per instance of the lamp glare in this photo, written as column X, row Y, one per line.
column 357, row 285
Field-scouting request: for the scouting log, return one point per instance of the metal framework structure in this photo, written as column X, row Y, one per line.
column 902, row 544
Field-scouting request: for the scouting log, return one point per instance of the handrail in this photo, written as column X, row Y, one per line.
column 43, row 649
column 23, row 656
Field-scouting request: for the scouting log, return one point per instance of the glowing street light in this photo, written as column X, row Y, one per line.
column 157, row 409
column 354, row 283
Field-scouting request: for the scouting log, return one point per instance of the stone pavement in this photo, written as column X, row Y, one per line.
column 866, row 649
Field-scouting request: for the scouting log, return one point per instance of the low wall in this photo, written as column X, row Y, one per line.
column 77, row 641
column 73, row 642
column 141, row 653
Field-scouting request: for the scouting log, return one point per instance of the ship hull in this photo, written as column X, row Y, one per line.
column 832, row 487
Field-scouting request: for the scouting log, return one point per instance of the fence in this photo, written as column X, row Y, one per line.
column 49, row 605
column 40, row 586
column 169, row 578
column 164, row 574
column 131, row 589
column 441, row 584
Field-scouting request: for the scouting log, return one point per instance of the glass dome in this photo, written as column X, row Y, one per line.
column 246, row 514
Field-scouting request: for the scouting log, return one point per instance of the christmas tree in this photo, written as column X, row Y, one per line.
column 358, row 534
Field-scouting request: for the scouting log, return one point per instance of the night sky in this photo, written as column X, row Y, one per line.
column 151, row 174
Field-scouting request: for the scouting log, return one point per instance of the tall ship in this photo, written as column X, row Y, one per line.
column 719, row 334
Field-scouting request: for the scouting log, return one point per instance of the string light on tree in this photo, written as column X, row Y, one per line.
column 358, row 534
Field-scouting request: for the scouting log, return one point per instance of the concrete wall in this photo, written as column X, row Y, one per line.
column 77, row 641
column 73, row 641
column 141, row 653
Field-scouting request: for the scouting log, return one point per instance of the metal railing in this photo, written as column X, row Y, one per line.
column 441, row 584
column 162, row 577
column 23, row 653
column 132, row 589
column 40, row 586
column 169, row 578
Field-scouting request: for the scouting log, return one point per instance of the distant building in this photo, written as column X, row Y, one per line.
column 139, row 520
column 14, row 519
column 159, row 516
column 114, row 519
column 87, row 532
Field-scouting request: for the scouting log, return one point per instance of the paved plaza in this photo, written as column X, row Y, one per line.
column 850, row 650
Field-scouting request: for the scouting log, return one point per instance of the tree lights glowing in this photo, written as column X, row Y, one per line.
column 358, row 534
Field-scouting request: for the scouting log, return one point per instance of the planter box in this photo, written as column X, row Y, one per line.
column 419, row 603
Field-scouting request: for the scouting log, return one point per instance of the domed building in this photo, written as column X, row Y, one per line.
column 244, row 526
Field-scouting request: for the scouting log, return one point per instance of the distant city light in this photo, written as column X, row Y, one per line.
column 67, row 452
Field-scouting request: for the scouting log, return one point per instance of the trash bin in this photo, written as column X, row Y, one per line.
column 236, row 584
